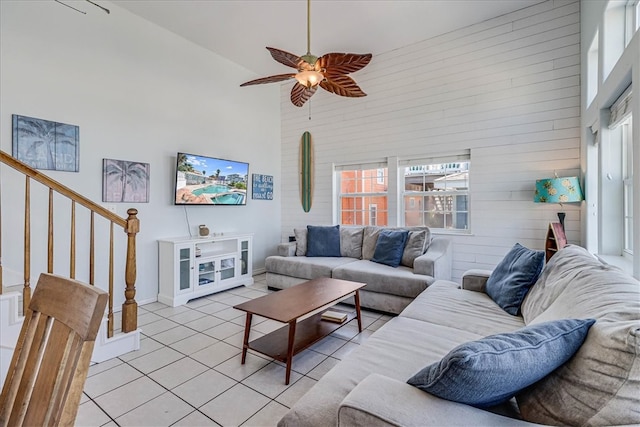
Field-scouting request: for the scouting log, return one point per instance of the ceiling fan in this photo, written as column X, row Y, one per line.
column 328, row 71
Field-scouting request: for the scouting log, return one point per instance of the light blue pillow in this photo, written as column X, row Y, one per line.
column 510, row 281
column 323, row 241
column 390, row 246
column 493, row 369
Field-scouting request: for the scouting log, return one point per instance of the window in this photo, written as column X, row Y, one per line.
column 627, row 179
column 616, row 180
column 632, row 20
column 362, row 198
column 592, row 70
column 440, row 192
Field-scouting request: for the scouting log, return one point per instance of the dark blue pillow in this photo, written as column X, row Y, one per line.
column 390, row 246
column 493, row 369
column 323, row 241
column 509, row 283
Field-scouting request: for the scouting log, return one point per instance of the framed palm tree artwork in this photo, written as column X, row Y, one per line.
column 44, row 144
column 124, row 181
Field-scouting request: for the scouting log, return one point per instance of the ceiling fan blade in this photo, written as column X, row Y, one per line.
column 286, row 58
column 343, row 63
column 342, row 85
column 270, row 79
column 300, row 94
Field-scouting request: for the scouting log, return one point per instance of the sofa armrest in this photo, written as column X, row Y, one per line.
column 287, row 249
column 382, row 401
column 436, row 261
column 475, row 280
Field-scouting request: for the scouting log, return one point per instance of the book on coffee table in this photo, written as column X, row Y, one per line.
column 334, row 316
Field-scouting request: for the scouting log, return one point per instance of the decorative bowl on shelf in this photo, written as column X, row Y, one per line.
column 203, row 230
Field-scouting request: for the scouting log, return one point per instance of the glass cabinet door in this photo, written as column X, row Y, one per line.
column 227, row 268
column 185, row 268
column 206, row 273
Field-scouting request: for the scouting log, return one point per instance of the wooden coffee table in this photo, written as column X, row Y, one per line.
column 301, row 307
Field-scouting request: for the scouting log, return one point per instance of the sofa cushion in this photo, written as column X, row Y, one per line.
column 493, row 369
column 415, row 246
column 369, row 240
column 304, row 267
column 323, row 241
column 447, row 305
column 351, row 241
column 389, row 247
column 513, row 276
column 397, row 350
column 570, row 264
column 381, row 278
column 301, row 241
column 599, row 385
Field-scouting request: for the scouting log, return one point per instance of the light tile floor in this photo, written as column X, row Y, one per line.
column 188, row 371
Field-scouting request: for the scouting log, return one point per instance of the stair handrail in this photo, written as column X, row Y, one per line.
column 130, row 225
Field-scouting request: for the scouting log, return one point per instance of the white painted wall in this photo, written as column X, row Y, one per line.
column 508, row 89
column 139, row 93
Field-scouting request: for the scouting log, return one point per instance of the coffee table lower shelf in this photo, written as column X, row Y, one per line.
column 308, row 332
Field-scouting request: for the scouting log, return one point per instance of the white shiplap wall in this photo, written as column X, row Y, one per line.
column 508, row 89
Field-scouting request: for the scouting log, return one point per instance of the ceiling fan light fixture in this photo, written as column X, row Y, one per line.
column 328, row 71
column 309, row 78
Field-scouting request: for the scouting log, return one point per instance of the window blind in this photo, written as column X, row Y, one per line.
column 360, row 166
column 446, row 158
column 621, row 109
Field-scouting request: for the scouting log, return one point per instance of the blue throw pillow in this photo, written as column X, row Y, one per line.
column 390, row 246
column 509, row 283
column 493, row 369
column 323, row 241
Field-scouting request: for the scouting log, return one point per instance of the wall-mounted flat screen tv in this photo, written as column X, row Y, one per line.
column 202, row 180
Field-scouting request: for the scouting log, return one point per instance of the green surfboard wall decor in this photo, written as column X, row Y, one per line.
column 306, row 171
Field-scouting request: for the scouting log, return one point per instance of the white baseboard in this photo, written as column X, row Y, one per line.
column 119, row 344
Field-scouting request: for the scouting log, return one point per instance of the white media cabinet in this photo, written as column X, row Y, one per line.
column 192, row 267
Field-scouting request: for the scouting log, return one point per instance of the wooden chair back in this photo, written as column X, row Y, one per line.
column 51, row 360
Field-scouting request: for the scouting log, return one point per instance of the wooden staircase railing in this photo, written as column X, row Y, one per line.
column 130, row 225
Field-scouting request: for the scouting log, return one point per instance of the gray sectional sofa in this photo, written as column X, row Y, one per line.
column 599, row 385
column 389, row 289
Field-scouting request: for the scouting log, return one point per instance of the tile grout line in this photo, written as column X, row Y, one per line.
column 233, row 297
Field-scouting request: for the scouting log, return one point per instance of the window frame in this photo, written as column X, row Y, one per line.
column 403, row 193
column 627, row 183
column 631, row 20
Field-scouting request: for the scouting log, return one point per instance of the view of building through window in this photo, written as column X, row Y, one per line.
column 437, row 195
column 434, row 195
column 363, row 197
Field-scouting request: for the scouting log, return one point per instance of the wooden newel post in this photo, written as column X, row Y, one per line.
column 130, row 307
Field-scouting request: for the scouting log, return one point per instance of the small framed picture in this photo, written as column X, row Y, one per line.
column 124, row 181
column 47, row 145
column 262, row 188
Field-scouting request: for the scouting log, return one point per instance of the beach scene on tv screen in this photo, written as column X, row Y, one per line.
column 204, row 180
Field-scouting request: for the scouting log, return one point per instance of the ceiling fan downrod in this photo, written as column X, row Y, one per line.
column 309, row 58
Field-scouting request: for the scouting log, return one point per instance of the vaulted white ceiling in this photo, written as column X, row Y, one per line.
column 239, row 30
